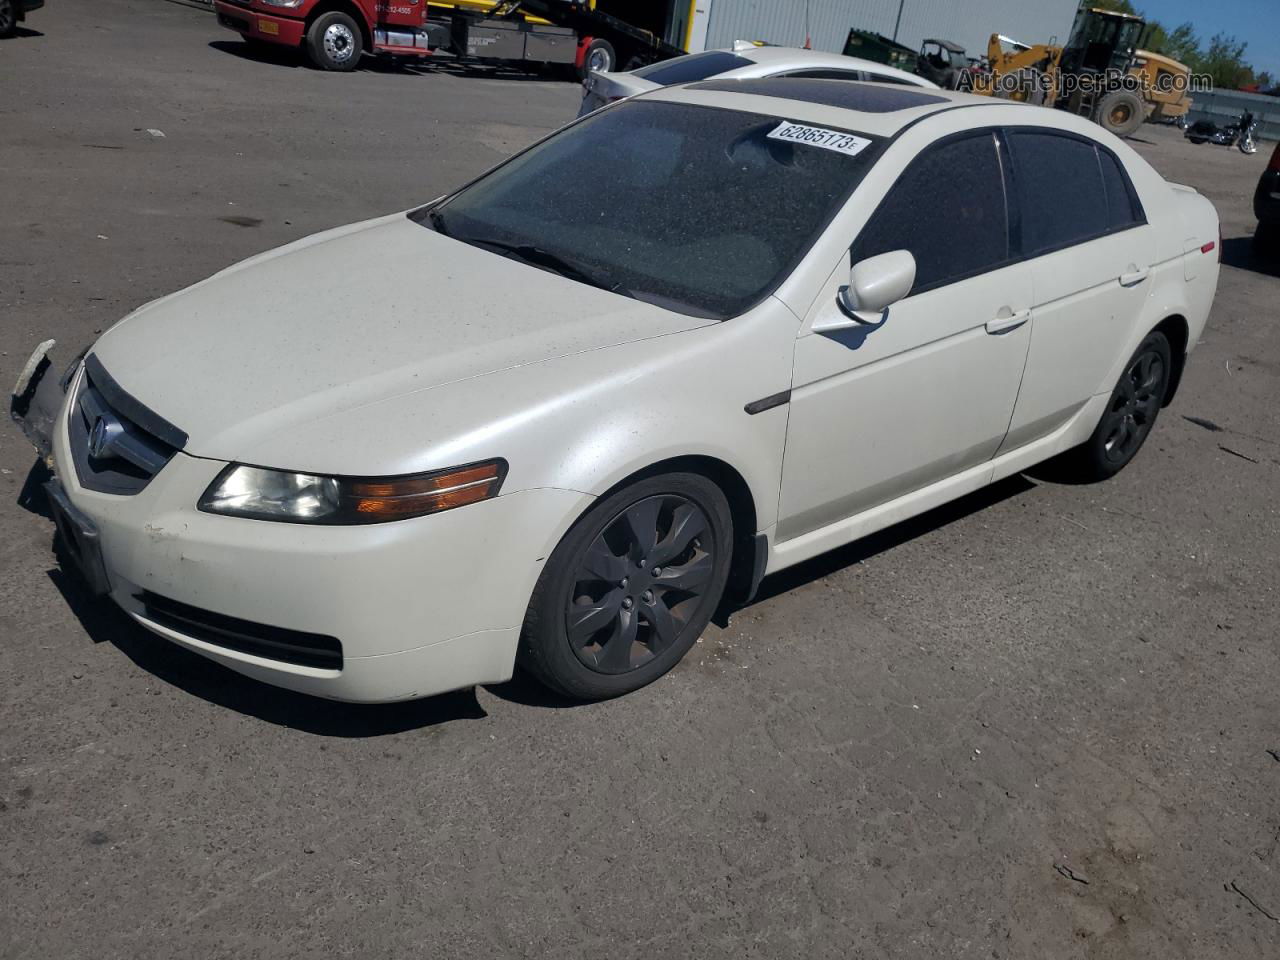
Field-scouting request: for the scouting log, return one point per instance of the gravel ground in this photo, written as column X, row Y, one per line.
column 1033, row 724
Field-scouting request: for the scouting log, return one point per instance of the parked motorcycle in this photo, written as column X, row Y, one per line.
column 1239, row 134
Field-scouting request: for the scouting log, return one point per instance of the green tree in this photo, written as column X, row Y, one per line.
column 1182, row 44
column 1224, row 62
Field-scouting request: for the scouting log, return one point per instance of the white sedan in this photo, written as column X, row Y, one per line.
column 556, row 418
column 745, row 61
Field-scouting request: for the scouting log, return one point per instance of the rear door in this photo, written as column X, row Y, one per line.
column 1090, row 250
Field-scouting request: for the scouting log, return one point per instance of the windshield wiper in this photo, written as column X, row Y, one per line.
column 538, row 257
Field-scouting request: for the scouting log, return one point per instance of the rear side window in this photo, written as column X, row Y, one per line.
column 697, row 66
column 949, row 210
column 1069, row 191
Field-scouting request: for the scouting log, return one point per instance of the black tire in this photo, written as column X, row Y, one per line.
column 1130, row 415
column 1121, row 112
column 600, row 623
column 599, row 57
column 8, row 18
column 334, row 42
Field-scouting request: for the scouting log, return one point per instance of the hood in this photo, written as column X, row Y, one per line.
column 351, row 317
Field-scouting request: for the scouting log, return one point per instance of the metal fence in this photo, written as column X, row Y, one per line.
column 1227, row 105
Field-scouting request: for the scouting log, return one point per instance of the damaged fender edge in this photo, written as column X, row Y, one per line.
column 37, row 398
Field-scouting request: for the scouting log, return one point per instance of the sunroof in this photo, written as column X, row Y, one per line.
column 849, row 94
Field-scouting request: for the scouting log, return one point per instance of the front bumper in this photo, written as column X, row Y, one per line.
column 269, row 27
column 420, row 606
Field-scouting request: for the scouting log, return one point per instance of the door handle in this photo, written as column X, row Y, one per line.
column 1135, row 276
column 1007, row 320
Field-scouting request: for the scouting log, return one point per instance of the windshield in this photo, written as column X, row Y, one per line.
column 700, row 210
column 696, row 66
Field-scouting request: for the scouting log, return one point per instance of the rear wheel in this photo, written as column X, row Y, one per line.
column 334, row 42
column 1121, row 112
column 599, row 58
column 630, row 588
column 1131, row 413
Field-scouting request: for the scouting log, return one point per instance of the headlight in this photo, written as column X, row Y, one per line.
column 283, row 3
column 262, row 494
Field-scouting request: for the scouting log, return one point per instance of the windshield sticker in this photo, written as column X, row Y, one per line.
column 845, row 143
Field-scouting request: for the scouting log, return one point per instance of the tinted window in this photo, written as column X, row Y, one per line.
column 824, row 75
column 1060, row 190
column 1121, row 209
column 692, row 208
column 949, row 210
column 864, row 97
column 868, row 76
column 697, row 66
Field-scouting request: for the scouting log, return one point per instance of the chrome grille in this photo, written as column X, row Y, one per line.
column 117, row 443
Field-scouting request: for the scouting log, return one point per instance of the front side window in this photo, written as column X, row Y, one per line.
column 695, row 209
column 949, row 210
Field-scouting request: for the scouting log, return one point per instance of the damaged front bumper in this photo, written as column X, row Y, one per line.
column 38, row 396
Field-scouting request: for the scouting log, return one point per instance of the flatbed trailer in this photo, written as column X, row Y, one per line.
column 588, row 34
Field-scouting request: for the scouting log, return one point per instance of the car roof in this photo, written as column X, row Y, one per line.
column 946, row 45
column 784, row 57
column 868, row 108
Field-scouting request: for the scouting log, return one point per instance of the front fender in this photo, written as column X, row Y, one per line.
column 583, row 422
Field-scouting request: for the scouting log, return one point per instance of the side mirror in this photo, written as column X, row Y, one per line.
column 874, row 286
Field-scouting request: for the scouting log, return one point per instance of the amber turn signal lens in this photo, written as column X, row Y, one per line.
column 414, row 496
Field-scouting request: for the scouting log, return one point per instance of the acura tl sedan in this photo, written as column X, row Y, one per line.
column 556, row 418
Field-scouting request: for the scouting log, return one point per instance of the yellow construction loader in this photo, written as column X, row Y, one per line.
column 1100, row 73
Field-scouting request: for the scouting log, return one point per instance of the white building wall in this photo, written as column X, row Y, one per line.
column 967, row 22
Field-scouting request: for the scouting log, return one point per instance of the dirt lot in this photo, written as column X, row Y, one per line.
column 1034, row 724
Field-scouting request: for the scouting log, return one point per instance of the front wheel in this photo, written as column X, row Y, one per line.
column 1122, row 112
column 334, row 42
column 1248, row 146
column 630, row 588
column 1131, row 413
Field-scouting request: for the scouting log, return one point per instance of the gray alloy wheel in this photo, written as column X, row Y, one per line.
column 1131, row 413
column 639, row 582
column 630, row 587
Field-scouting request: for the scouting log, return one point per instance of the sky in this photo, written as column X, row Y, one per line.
column 1254, row 21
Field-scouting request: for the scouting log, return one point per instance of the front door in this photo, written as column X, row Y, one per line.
column 880, row 411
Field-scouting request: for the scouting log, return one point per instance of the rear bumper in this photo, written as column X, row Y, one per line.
column 1266, row 202
column 267, row 27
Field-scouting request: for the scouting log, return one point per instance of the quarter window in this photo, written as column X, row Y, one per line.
column 1122, row 211
column 949, row 210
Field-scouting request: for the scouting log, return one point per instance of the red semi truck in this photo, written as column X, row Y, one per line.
column 589, row 34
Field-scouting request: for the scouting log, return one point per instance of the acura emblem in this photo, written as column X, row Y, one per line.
column 103, row 434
